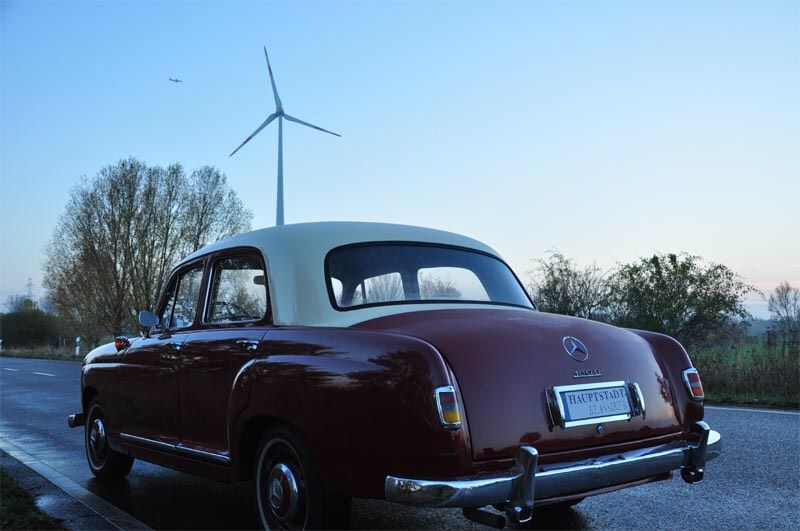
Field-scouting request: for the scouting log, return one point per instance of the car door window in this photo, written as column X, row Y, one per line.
column 181, row 300
column 238, row 290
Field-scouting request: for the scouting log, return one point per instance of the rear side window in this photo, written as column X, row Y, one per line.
column 238, row 290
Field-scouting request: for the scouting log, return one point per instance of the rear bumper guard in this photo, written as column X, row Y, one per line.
column 526, row 481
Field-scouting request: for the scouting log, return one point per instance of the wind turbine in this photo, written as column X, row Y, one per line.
column 280, row 115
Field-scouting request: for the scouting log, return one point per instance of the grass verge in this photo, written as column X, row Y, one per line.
column 750, row 400
column 750, row 373
column 41, row 354
column 17, row 509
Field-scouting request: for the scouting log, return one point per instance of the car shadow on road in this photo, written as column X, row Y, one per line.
column 545, row 518
column 374, row 514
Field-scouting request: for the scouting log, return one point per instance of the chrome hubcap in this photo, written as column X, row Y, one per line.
column 97, row 438
column 283, row 492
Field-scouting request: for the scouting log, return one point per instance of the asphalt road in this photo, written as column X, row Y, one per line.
column 754, row 484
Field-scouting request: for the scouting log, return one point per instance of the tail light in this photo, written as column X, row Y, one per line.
column 693, row 384
column 447, row 404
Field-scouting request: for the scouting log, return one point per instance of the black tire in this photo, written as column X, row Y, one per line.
column 288, row 492
column 104, row 462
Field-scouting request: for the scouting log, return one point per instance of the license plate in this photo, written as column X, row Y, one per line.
column 593, row 403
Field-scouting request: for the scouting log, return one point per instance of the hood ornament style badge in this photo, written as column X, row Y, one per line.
column 575, row 348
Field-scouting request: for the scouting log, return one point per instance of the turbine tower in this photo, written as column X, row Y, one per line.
column 280, row 115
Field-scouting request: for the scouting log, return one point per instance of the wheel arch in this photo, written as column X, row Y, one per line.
column 249, row 436
column 87, row 395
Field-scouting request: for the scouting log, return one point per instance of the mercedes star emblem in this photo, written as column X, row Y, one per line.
column 575, row 348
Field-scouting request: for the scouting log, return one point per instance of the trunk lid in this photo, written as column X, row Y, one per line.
column 505, row 359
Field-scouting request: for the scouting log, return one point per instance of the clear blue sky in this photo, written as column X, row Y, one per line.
column 605, row 130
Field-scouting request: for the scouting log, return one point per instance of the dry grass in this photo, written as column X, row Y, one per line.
column 750, row 373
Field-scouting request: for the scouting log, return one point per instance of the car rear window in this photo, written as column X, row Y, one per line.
column 393, row 273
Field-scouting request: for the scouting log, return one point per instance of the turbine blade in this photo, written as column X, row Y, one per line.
column 278, row 104
column 301, row 122
column 260, row 127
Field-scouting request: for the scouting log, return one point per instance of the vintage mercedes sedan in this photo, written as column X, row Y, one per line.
column 325, row 361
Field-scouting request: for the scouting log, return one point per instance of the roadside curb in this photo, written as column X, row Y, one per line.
column 60, row 497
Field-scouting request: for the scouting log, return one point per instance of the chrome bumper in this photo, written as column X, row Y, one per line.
column 527, row 481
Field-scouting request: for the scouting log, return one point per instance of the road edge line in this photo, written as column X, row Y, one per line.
column 112, row 514
column 753, row 410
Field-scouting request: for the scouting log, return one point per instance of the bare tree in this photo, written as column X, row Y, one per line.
column 558, row 285
column 121, row 232
column 431, row 287
column 784, row 305
column 383, row 288
column 159, row 232
column 17, row 303
column 213, row 210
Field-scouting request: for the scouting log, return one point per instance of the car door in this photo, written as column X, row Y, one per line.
column 235, row 319
column 149, row 375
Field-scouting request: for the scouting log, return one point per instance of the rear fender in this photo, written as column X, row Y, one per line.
column 673, row 359
column 363, row 400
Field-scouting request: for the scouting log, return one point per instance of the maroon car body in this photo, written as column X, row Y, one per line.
column 335, row 360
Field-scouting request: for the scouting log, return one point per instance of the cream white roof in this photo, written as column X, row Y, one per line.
column 295, row 261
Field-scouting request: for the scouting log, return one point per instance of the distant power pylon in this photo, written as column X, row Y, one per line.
column 29, row 289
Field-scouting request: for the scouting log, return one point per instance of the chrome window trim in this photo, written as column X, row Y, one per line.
column 558, row 389
column 210, row 283
column 174, row 448
column 177, row 275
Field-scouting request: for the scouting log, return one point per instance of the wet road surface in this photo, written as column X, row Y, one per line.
column 754, row 484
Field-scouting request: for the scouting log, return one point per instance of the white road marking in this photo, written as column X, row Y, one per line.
column 13, row 370
column 749, row 410
column 44, row 374
column 111, row 513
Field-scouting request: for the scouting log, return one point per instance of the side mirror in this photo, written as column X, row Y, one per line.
column 147, row 320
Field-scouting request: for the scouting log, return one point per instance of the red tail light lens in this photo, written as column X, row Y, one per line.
column 693, row 384
column 447, row 404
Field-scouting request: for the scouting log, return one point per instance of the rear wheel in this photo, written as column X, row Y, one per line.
column 288, row 491
column 104, row 462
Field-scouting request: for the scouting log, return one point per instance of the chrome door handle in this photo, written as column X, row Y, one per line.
column 174, row 349
column 248, row 345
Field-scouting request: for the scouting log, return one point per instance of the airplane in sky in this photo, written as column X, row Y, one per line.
column 176, row 80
